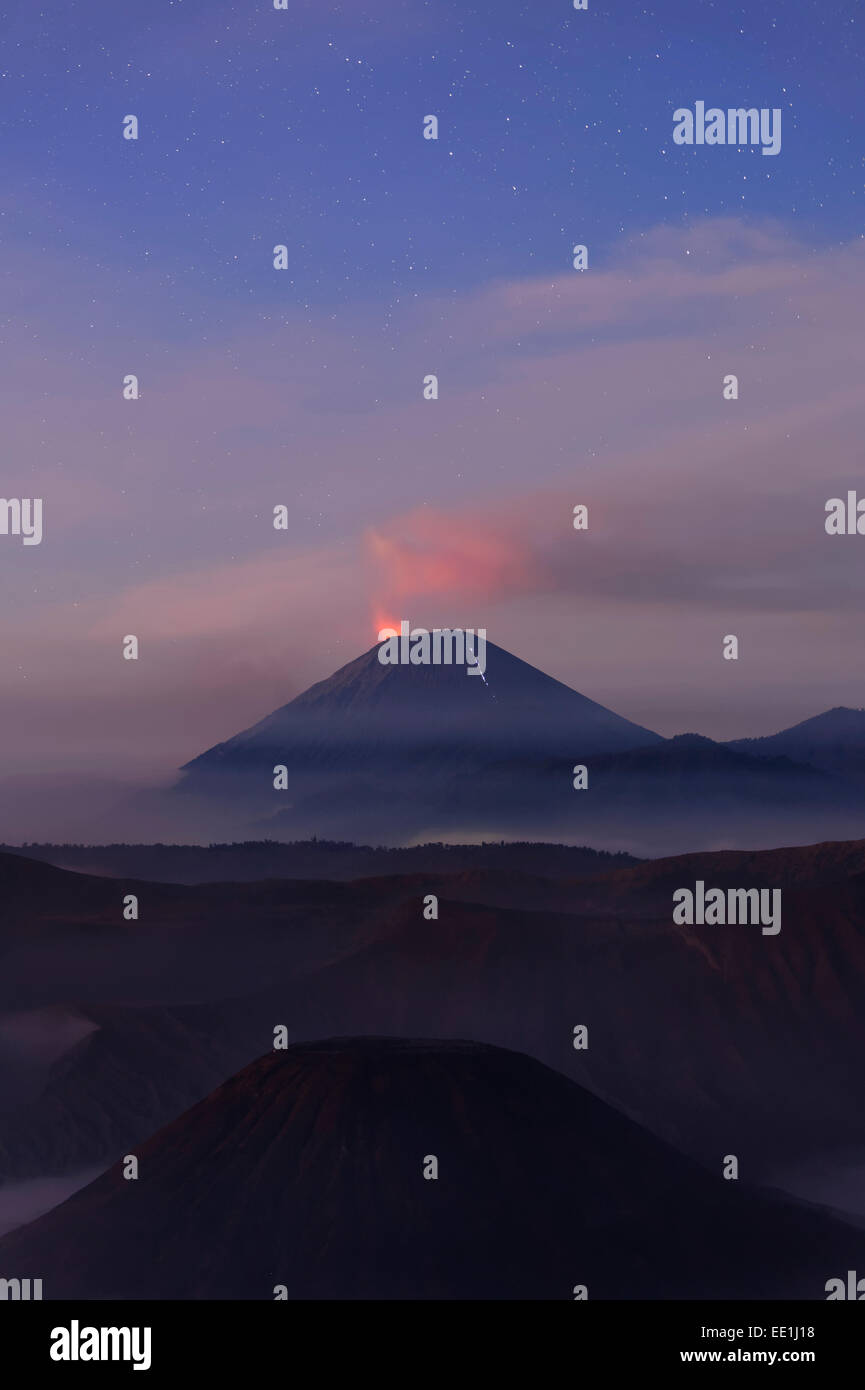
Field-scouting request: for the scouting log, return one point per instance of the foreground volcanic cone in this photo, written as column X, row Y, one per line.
column 306, row 1170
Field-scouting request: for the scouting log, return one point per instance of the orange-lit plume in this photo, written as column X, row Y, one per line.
column 426, row 554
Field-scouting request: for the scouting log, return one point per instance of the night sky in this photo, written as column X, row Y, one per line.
column 408, row 257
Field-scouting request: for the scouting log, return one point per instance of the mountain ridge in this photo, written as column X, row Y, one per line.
column 401, row 753
column 540, row 1187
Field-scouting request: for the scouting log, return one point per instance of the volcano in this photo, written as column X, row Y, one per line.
column 379, row 747
column 390, row 1168
column 366, row 708
column 396, row 755
column 401, row 754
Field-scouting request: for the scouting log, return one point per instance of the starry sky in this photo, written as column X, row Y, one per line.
column 407, row 257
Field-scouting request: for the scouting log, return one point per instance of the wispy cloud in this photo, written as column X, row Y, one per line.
column 602, row 388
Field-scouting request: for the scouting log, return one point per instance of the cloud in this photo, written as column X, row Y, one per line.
column 433, row 555
column 716, row 265
column 602, row 388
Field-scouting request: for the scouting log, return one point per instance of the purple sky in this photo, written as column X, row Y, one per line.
column 706, row 516
column 410, row 257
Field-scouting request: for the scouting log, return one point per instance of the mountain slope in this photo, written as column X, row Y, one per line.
column 250, row 861
column 306, row 1170
column 718, row 1039
column 834, row 741
column 371, row 751
column 679, row 794
column 397, row 754
column 366, row 713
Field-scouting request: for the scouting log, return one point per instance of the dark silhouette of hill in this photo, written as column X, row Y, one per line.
column 685, row 793
column 40, row 899
column 717, row 1039
column 834, row 741
column 646, row 887
column 138, row 1069
column 252, row 860
column 63, row 935
column 305, row 1171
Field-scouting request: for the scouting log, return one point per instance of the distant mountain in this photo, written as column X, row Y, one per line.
column 685, row 767
column 366, row 711
column 252, row 860
column 372, row 750
column 397, row 754
column 679, row 794
column 306, row 1171
column 834, row 741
